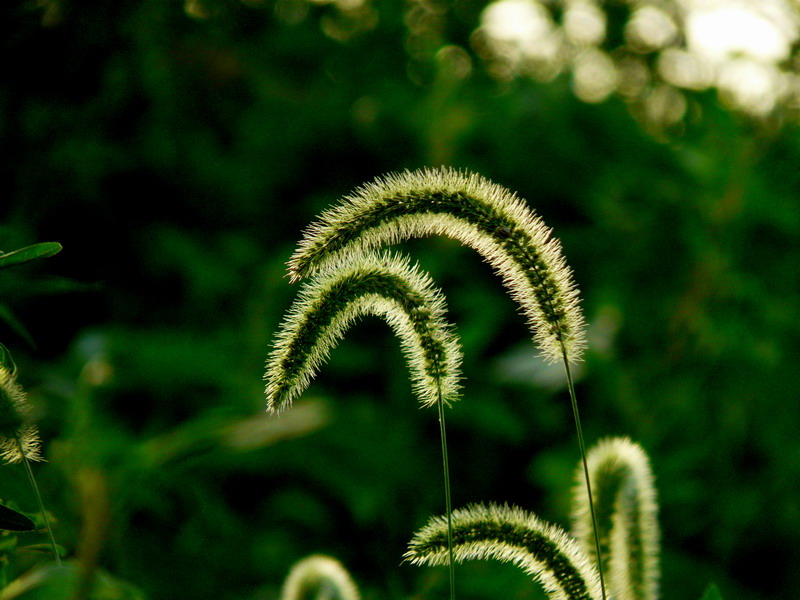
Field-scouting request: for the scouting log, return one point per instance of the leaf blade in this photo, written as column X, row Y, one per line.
column 11, row 520
column 29, row 253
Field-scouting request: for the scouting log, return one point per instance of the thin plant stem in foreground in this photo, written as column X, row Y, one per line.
column 19, row 437
column 447, row 500
column 39, row 501
column 582, row 446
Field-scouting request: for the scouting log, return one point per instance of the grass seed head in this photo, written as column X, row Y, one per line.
column 18, row 437
column 510, row 534
column 319, row 577
column 370, row 283
column 627, row 517
column 480, row 214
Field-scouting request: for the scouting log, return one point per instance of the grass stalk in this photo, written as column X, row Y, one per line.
column 35, row 487
column 582, row 446
column 447, row 501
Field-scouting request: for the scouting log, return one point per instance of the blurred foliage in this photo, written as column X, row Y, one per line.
column 177, row 151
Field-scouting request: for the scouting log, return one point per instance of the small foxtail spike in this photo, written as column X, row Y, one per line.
column 19, row 438
column 319, row 577
column 379, row 284
column 627, row 518
column 509, row 534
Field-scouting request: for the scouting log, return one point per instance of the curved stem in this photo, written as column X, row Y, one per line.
column 448, row 504
column 39, row 501
column 582, row 446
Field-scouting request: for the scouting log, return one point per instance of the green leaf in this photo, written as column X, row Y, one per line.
column 29, row 253
column 712, row 593
column 11, row 520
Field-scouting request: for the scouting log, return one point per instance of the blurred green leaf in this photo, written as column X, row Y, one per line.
column 11, row 520
column 712, row 593
column 234, row 434
column 29, row 253
column 51, row 582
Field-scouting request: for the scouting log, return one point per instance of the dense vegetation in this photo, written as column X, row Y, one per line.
column 177, row 152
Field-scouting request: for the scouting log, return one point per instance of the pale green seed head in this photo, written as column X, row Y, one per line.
column 319, row 577
column 510, row 534
column 15, row 428
column 627, row 517
column 371, row 283
column 467, row 207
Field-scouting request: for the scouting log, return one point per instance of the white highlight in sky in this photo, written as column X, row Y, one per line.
column 518, row 21
column 739, row 47
column 736, row 29
column 584, row 23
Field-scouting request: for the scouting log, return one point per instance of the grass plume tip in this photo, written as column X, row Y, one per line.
column 627, row 518
column 380, row 284
column 480, row 214
column 319, row 577
column 19, row 438
column 509, row 534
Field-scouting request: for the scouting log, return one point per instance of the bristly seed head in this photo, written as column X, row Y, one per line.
column 319, row 577
column 509, row 534
column 627, row 518
column 478, row 213
column 372, row 283
column 15, row 429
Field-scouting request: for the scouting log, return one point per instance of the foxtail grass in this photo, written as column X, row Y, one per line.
column 370, row 283
column 509, row 534
column 19, row 438
column 627, row 518
column 319, row 577
column 480, row 214
column 384, row 285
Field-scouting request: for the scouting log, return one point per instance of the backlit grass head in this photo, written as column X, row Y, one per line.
column 627, row 518
column 18, row 437
column 478, row 213
column 319, row 577
column 509, row 534
column 379, row 284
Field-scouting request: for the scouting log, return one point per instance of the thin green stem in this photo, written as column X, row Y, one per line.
column 582, row 446
column 35, row 487
column 448, row 504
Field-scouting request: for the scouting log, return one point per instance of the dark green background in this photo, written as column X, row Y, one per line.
column 178, row 159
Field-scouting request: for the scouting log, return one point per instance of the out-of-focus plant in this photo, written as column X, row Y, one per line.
column 319, row 577
column 20, row 443
column 19, row 437
column 657, row 55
